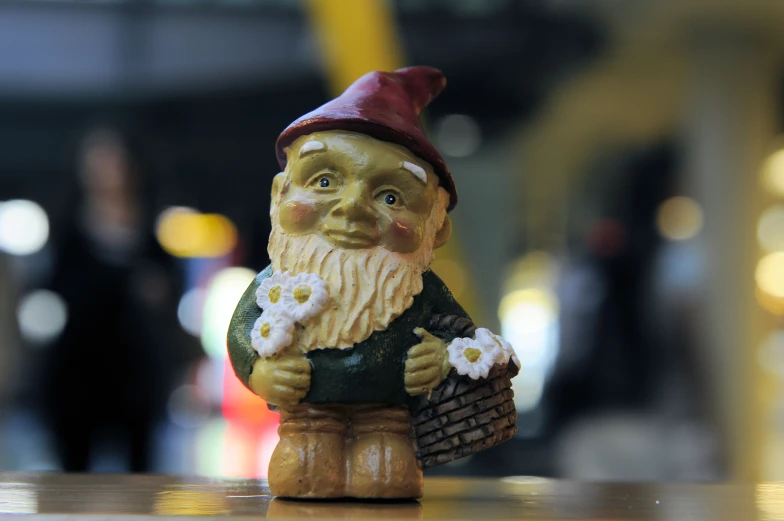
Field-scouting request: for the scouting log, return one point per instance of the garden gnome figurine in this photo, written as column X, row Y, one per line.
column 375, row 369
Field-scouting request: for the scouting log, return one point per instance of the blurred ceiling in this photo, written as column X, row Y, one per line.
column 141, row 47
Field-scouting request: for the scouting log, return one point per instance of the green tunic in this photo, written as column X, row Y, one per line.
column 372, row 370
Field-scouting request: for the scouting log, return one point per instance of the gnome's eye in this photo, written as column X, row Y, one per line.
column 389, row 198
column 324, row 182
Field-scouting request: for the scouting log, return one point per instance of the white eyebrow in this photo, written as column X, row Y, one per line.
column 417, row 170
column 311, row 146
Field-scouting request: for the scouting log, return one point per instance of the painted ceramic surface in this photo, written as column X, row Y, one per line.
column 376, row 370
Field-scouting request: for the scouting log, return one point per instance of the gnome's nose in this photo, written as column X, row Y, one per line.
column 354, row 207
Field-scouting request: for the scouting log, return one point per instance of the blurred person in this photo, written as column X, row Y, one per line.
column 107, row 378
column 627, row 398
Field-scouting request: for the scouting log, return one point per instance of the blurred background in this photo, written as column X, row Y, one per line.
column 621, row 221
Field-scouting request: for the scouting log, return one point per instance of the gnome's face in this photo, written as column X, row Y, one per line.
column 358, row 192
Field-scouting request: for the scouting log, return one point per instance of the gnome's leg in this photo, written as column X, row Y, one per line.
column 310, row 458
column 381, row 458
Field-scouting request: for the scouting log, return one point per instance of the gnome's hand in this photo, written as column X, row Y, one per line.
column 281, row 381
column 427, row 364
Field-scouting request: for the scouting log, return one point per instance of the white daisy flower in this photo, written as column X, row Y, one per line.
column 304, row 296
column 272, row 331
column 508, row 352
column 470, row 358
column 489, row 343
column 270, row 291
column 503, row 350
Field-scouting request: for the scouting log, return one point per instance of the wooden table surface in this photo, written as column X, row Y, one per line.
column 62, row 496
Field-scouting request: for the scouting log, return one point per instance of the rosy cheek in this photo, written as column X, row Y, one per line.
column 402, row 230
column 302, row 212
column 405, row 235
column 298, row 216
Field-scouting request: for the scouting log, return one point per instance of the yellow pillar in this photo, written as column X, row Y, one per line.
column 356, row 36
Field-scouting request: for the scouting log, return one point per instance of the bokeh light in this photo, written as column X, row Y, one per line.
column 679, row 218
column 770, row 274
column 42, row 315
column 773, row 173
column 223, row 293
column 770, row 303
column 770, row 229
column 209, row 379
column 458, row 135
column 532, row 303
column 240, row 404
column 529, row 321
column 24, row 227
column 534, row 269
column 229, row 449
column 209, row 447
column 182, row 232
column 189, row 310
column 170, row 211
column 529, row 315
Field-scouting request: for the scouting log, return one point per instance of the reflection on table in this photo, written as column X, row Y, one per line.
column 514, row 497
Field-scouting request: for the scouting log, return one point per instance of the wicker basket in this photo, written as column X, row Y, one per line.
column 463, row 416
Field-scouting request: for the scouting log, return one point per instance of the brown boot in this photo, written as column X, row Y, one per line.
column 381, row 458
column 310, row 458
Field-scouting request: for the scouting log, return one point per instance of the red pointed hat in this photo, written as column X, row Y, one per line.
column 383, row 105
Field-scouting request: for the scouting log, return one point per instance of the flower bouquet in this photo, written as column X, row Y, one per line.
column 286, row 300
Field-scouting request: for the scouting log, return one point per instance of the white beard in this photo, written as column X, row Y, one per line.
column 368, row 288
